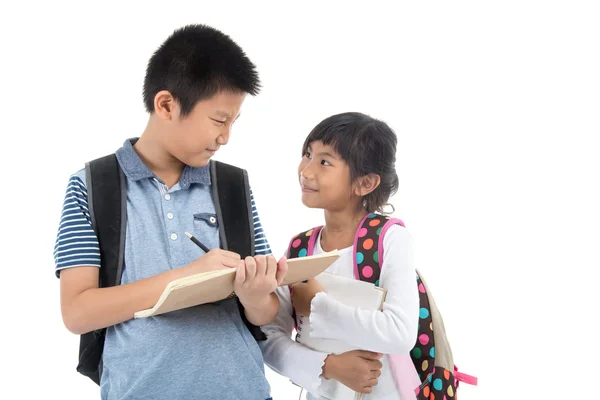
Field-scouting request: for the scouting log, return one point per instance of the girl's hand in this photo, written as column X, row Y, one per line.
column 302, row 295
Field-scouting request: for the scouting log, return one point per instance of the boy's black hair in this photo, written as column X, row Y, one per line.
column 367, row 145
column 194, row 64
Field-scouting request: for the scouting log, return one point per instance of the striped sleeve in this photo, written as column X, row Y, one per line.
column 260, row 240
column 76, row 243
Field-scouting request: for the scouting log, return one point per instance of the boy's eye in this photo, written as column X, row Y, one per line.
column 307, row 155
column 325, row 162
column 218, row 122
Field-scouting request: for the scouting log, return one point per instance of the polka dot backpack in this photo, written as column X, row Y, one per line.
column 431, row 355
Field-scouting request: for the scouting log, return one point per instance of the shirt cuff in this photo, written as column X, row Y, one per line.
column 322, row 319
column 309, row 368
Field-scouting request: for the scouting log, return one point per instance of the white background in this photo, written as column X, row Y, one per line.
column 496, row 107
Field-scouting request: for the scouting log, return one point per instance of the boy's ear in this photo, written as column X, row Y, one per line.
column 366, row 184
column 165, row 105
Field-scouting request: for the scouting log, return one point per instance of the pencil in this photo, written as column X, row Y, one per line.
column 197, row 242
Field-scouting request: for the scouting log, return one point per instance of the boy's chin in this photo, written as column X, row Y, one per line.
column 197, row 162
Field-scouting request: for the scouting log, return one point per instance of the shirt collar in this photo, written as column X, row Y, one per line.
column 135, row 169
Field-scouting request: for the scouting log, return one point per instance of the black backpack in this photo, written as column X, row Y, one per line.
column 106, row 187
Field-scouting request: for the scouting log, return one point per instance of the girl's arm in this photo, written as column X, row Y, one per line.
column 393, row 331
column 302, row 365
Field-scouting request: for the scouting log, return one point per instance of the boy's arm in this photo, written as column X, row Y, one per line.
column 262, row 311
column 86, row 307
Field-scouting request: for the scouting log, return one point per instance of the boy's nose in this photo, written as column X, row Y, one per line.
column 223, row 138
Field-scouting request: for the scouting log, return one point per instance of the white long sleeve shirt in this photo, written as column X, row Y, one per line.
column 393, row 331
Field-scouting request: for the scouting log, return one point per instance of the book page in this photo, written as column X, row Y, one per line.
column 210, row 287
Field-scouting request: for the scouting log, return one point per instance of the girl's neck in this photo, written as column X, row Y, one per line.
column 340, row 228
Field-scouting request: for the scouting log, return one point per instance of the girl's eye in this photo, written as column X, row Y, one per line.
column 307, row 155
column 325, row 162
column 218, row 122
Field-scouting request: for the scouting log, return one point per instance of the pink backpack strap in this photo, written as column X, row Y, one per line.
column 462, row 377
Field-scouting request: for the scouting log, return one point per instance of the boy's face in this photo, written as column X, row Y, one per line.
column 194, row 139
column 325, row 179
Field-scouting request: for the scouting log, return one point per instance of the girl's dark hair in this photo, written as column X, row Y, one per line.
column 367, row 145
column 195, row 63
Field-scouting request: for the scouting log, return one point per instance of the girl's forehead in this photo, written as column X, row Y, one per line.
column 318, row 144
column 318, row 148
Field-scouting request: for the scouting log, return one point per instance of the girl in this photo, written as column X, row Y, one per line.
column 348, row 170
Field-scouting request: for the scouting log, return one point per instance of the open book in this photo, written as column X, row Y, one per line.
column 209, row 287
column 353, row 293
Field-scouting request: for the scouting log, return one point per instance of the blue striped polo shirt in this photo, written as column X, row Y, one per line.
column 204, row 352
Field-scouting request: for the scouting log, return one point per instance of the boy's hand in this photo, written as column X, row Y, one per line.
column 359, row 370
column 302, row 295
column 214, row 260
column 257, row 278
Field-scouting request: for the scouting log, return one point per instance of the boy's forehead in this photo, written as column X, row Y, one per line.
column 224, row 104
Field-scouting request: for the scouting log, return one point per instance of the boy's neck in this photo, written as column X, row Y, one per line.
column 340, row 228
column 152, row 153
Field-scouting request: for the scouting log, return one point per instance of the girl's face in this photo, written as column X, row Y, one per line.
column 325, row 179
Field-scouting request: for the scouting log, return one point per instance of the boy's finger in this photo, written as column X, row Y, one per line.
column 271, row 267
column 230, row 254
column 240, row 275
column 261, row 265
column 250, row 269
column 282, row 269
column 230, row 262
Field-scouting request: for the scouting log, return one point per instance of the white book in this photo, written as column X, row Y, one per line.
column 353, row 293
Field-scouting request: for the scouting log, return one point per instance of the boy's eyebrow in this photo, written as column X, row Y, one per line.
column 226, row 115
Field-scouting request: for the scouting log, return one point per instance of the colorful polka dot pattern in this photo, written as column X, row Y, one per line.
column 439, row 385
column 299, row 248
column 367, row 243
column 423, row 354
column 299, row 244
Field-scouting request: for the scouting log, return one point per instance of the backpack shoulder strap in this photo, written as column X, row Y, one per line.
column 368, row 261
column 368, row 246
column 231, row 196
column 303, row 244
column 106, row 190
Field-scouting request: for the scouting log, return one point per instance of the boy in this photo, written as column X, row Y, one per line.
column 194, row 88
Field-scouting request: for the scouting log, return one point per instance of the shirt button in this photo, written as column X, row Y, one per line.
column 170, row 215
column 167, row 196
column 173, row 236
column 212, row 220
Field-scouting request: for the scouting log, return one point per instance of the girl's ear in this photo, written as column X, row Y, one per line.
column 366, row 184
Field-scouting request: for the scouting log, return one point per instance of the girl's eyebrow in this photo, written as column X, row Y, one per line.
column 326, row 153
